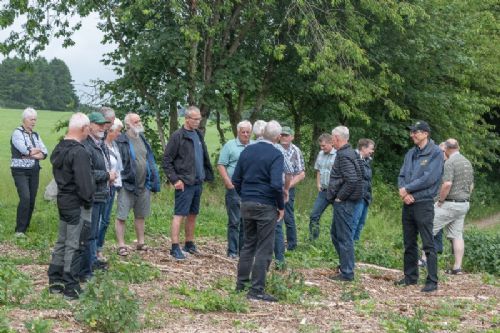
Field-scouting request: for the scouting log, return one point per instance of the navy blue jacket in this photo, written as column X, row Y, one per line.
column 258, row 176
column 421, row 172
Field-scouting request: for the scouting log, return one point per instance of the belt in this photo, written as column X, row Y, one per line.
column 457, row 200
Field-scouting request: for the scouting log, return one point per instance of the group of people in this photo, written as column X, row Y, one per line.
column 96, row 161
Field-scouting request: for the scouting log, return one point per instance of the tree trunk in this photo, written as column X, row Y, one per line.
column 222, row 138
column 161, row 132
column 316, row 132
column 173, row 117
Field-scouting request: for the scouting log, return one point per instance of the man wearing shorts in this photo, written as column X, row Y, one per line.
column 187, row 166
column 139, row 178
column 453, row 204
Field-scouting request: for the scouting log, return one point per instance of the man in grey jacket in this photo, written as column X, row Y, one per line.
column 418, row 184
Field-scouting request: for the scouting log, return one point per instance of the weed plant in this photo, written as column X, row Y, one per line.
column 290, row 287
column 135, row 270
column 39, row 325
column 482, row 252
column 14, row 285
column 408, row 324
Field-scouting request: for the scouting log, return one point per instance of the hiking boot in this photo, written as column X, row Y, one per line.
column 404, row 282
column 177, row 254
column 72, row 294
column 190, row 248
column 340, row 277
column 261, row 297
column 56, row 289
column 429, row 287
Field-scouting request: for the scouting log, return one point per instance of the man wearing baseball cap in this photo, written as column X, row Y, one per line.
column 418, row 183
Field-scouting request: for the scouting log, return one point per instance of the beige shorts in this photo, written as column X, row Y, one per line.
column 127, row 200
column 451, row 216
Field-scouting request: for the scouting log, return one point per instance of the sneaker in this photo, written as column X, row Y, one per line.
column 71, row 296
column 177, row 254
column 340, row 277
column 261, row 297
column 56, row 288
column 190, row 249
column 233, row 256
column 404, row 282
column 100, row 265
column 20, row 235
column 85, row 279
column 429, row 287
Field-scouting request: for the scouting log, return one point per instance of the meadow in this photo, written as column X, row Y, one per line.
column 205, row 284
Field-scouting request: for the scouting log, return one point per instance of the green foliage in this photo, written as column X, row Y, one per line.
column 108, row 306
column 135, row 270
column 14, row 285
column 38, row 325
column 482, row 252
column 4, row 324
column 354, row 292
column 209, row 300
column 46, row 301
column 290, row 287
column 411, row 324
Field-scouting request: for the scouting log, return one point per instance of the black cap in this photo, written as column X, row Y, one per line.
column 420, row 125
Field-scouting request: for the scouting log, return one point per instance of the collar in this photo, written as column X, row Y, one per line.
column 453, row 154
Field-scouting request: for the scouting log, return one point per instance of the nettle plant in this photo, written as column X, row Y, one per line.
column 14, row 284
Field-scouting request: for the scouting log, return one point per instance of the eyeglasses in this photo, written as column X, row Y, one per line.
column 195, row 119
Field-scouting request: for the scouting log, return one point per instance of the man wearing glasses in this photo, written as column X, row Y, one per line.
column 187, row 166
column 418, row 184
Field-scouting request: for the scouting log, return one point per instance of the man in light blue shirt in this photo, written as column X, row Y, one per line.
column 323, row 166
column 228, row 159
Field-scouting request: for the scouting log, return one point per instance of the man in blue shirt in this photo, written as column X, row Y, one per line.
column 228, row 159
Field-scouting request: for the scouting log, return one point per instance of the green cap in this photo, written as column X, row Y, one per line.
column 286, row 130
column 97, row 118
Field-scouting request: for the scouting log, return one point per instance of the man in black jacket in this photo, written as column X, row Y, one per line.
column 103, row 175
column 187, row 166
column 344, row 190
column 75, row 184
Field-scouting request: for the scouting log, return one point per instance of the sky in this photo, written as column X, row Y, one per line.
column 83, row 58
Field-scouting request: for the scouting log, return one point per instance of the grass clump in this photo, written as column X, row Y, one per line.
column 4, row 324
column 38, row 325
column 135, row 270
column 354, row 293
column 108, row 306
column 290, row 287
column 14, row 285
column 409, row 324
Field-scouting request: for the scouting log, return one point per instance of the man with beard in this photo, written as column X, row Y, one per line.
column 139, row 178
column 103, row 175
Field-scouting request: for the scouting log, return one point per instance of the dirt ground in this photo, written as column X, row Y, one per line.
column 476, row 301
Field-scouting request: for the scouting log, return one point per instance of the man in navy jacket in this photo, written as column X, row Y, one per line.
column 418, row 184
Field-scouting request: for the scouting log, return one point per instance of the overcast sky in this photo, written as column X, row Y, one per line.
column 83, row 59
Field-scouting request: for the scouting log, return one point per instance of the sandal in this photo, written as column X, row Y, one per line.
column 142, row 247
column 122, row 251
column 452, row 271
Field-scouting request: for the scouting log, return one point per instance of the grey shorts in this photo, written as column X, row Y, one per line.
column 127, row 200
column 450, row 216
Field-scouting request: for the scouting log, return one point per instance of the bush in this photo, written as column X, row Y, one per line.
column 14, row 285
column 482, row 252
column 108, row 306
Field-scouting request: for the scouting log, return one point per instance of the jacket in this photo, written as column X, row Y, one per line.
column 346, row 178
column 421, row 172
column 367, row 178
column 128, row 172
column 72, row 170
column 178, row 159
column 99, row 156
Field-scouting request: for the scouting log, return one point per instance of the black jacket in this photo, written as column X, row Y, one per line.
column 72, row 171
column 346, row 178
column 367, row 178
column 178, row 160
column 101, row 175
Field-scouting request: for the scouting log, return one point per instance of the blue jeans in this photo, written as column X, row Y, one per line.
column 291, row 228
column 279, row 243
column 341, row 233
column 235, row 228
column 360, row 212
column 89, row 256
column 106, row 216
column 319, row 207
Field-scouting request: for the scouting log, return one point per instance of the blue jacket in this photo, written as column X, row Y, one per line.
column 421, row 172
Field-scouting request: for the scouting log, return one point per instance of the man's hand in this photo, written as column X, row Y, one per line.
column 409, row 199
column 179, row 185
column 112, row 176
column 229, row 185
column 402, row 193
column 285, row 196
column 281, row 214
column 338, row 200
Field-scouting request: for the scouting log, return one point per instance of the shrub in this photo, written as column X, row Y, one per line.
column 135, row 270
column 289, row 287
column 14, row 285
column 482, row 252
column 108, row 306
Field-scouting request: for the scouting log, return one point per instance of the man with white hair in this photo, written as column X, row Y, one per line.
column 72, row 169
column 344, row 190
column 187, row 166
column 228, row 158
column 258, row 179
column 258, row 129
column 140, row 177
column 109, row 115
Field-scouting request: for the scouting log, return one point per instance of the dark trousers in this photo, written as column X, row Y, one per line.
column 291, row 228
column 320, row 204
column 26, row 181
column 64, row 268
column 418, row 219
column 106, row 217
column 279, row 243
column 235, row 230
column 255, row 257
column 90, row 253
column 341, row 233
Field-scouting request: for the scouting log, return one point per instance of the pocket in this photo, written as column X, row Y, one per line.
column 70, row 216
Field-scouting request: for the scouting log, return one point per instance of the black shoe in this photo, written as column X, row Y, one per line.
column 190, row 249
column 177, row 254
column 404, row 282
column 261, row 297
column 340, row 277
column 71, row 295
column 56, row 288
column 429, row 287
column 85, row 279
column 100, row 265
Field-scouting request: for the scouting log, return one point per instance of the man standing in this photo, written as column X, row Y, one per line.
column 453, row 204
column 228, row 158
column 187, row 166
column 294, row 156
column 344, row 190
column 140, row 177
column 323, row 166
column 103, row 175
column 258, row 179
column 75, row 184
column 418, row 183
column 366, row 148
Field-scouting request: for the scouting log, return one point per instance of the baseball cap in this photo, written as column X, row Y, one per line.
column 420, row 125
column 286, row 130
column 97, row 118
